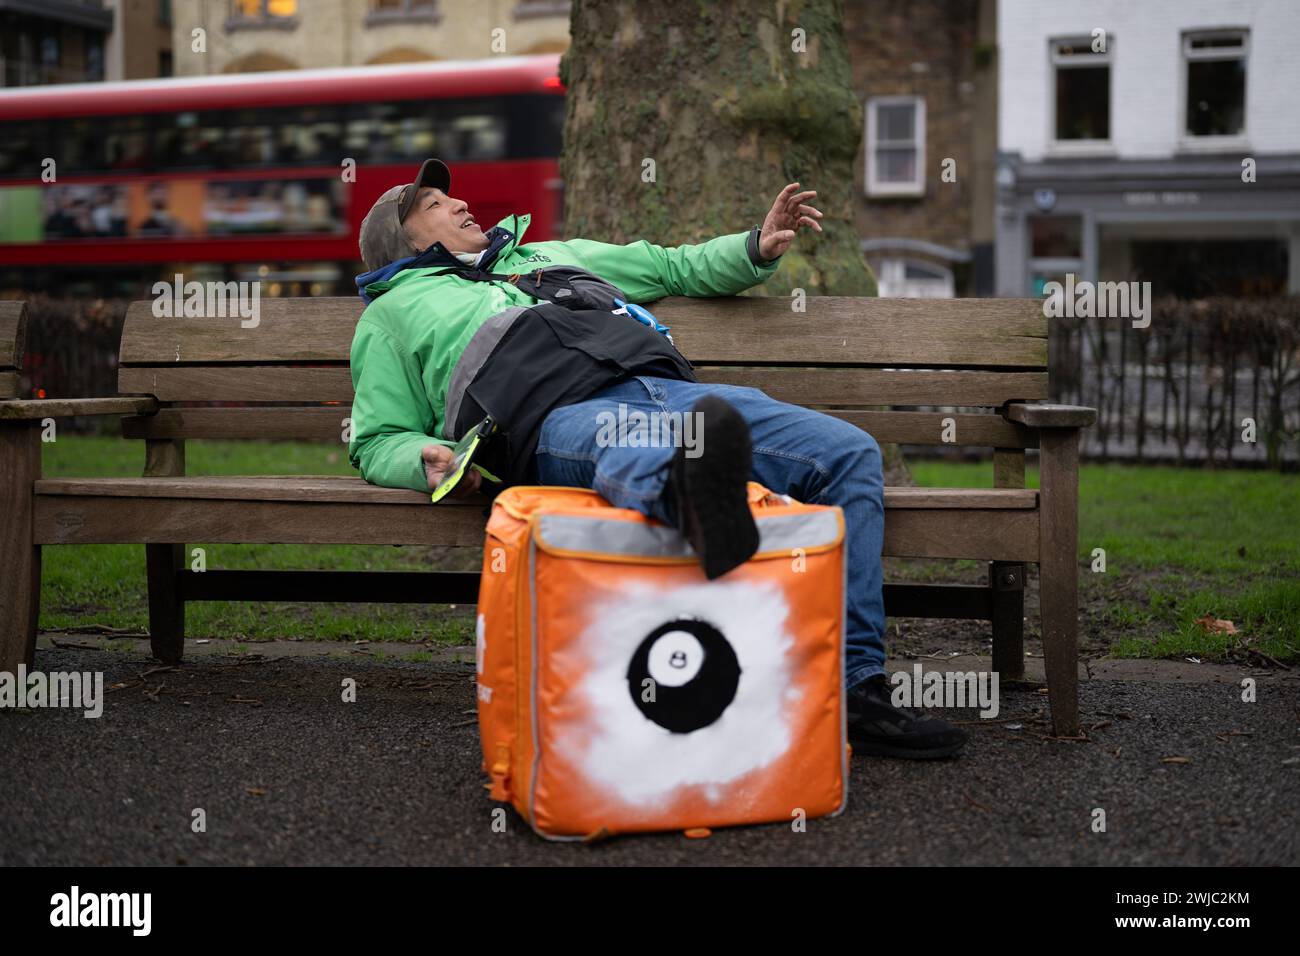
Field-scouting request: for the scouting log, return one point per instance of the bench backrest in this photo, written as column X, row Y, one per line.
column 289, row 378
column 13, row 336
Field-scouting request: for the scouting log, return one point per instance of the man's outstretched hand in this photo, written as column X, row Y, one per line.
column 437, row 459
column 789, row 214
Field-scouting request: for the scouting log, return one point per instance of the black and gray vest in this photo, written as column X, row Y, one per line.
column 528, row 360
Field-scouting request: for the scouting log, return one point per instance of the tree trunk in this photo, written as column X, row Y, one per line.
column 684, row 120
column 713, row 95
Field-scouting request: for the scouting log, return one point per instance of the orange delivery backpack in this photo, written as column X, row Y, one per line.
column 620, row 690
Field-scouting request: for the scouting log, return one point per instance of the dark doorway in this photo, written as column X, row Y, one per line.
column 1246, row 268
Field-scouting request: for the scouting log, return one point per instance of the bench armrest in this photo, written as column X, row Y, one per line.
column 27, row 409
column 1049, row 416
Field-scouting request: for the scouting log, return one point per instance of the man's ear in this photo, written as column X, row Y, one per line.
column 412, row 248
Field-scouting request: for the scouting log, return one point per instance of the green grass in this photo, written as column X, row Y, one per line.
column 1223, row 523
column 1267, row 612
column 1180, row 543
column 105, row 584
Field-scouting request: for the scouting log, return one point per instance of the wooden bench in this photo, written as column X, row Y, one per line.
column 288, row 378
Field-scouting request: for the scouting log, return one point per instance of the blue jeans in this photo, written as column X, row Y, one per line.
column 810, row 456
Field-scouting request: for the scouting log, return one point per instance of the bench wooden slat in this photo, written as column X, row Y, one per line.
column 234, row 383
column 288, row 330
column 21, row 409
column 840, row 386
column 851, row 386
column 8, row 384
column 304, row 488
column 95, row 519
column 317, row 423
column 952, row 333
column 310, row 422
column 927, row 428
column 349, row 488
column 988, row 534
column 930, row 499
column 995, row 534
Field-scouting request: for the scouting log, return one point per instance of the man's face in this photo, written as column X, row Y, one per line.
column 436, row 217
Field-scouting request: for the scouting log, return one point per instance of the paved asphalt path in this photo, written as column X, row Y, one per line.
column 299, row 777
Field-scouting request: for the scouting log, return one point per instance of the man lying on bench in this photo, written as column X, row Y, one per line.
column 444, row 344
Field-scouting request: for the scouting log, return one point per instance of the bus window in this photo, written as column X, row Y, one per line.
column 22, row 148
column 387, row 132
column 478, row 137
column 168, row 130
column 80, row 145
column 309, row 136
column 361, row 128
column 415, row 129
column 126, row 144
column 250, row 137
column 201, row 141
column 473, row 130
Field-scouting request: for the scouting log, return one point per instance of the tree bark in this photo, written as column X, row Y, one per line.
column 684, row 120
column 714, row 95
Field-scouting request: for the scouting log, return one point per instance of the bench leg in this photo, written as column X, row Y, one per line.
column 164, row 562
column 20, row 559
column 1058, row 579
column 1007, row 587
column 1007, row 581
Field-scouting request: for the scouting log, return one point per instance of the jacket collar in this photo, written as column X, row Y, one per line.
column 502, row 240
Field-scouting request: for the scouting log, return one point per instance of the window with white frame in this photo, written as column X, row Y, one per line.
column 1216, row 83
column 1081, row 68
column 895, row 146
column 900, row 277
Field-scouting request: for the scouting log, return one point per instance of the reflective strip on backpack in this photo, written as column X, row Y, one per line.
column 604, row 536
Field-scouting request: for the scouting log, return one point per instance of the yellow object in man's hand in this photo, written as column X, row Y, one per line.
column 463, row 459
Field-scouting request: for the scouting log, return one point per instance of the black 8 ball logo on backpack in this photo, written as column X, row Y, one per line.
column 679, row 688
column 694, row 670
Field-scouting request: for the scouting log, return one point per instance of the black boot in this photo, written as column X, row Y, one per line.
column 879, row 728
column 707, row 495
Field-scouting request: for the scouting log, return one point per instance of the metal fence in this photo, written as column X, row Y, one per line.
column 1210, row 380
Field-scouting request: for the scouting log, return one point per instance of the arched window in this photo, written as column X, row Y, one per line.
column 259, row 63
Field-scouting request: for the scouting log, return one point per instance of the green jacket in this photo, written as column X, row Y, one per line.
column 411, row 335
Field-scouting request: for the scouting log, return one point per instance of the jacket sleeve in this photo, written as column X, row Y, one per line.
column 391, row 415
column 722, row 266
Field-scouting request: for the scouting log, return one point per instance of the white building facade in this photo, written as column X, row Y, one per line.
column 1156, row 140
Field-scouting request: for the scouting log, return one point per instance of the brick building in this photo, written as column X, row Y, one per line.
column 926, row 73
column 140, row 45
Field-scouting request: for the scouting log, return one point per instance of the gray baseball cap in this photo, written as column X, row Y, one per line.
column 382, row 239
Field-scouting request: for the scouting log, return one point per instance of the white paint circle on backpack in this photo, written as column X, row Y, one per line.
column 675, row 659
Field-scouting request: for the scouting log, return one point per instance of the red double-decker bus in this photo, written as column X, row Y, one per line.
column 106, row 187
